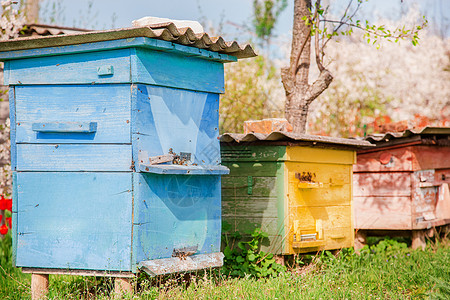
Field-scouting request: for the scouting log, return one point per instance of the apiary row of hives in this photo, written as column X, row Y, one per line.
column 117, row 164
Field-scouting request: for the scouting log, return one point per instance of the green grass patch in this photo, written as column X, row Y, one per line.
column 386, row 270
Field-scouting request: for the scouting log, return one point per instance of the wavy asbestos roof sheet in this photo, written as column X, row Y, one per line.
column 164, row 31
column 293, row 138
column 45, row 30
column 437, row 136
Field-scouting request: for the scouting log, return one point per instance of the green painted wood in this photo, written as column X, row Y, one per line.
column 254, row 168
column 233, row 153
column 265, row 207
column 237, row 186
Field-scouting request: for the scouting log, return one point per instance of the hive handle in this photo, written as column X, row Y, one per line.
column 65, row 127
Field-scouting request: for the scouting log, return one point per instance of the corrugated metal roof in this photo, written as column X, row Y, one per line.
column 164, row 31
column 293, row 138
column 45, row 30
column 391, row 136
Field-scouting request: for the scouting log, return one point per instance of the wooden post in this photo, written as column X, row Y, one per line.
column 279, row 259
column 360, row 240
column 122, row 285
column 418, row 239
column 39, row 286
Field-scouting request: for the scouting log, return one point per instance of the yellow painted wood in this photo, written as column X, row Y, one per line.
column 323, row 205
column 318, row 155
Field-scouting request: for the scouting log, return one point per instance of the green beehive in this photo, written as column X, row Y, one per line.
column 297, row 188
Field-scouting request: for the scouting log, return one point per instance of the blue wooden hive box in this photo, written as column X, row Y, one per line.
column 115, row 151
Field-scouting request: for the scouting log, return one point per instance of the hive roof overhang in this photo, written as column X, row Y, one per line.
column 290, row 138
column 164, row 31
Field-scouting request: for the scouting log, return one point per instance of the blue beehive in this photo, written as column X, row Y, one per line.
column 115, row 150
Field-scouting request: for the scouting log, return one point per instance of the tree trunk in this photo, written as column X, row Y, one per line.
column 299, row 93
column 32, row 11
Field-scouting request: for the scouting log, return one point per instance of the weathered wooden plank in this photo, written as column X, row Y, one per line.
column 318, row 155
column 14, row 218
column 73, row 157
column 382, row 184
column 179, row 71
column 424, row 196
column 239, row 153
column 117, row 274
column 181, row 120
column 399, row 159
column 12, row 133
column 184, row 170
column 80, row 68
column 253, row 168
column 248, row 224
column 251, row 206
column 233, row 186
column 392, row 213
column 431, row 157
column 108, row 106
column 331, row 216
column 173, row 212
column 65, row 226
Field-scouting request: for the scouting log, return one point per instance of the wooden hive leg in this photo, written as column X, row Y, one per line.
column 280, row 259
column 122, row 285
column 418, row 239
column 39, row 286
column 360, row 240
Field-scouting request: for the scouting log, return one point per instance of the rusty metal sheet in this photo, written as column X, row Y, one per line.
column 181, row 264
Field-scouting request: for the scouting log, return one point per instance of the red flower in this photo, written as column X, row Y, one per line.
column 9, row 204
column 3, row 229
column 8, row 220
column 3, row 203
column 1, row 217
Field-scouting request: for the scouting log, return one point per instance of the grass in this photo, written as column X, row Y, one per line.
column 386, row 270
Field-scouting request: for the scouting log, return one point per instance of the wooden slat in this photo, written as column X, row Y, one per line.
column 108, row 106
column 13, row 130
column 241, row 153
column 177, row 71
column 73, row 157
column 253, row 168
column 74, row 220
column 317, row 155
column 431, row 157
column 78, row 68
column 331, row 216
column 391, row 213
column 382, row 184
column 251, row 206
column 233, row 186
column 401, row 160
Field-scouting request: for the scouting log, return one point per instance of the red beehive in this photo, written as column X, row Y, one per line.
column 402, row 185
